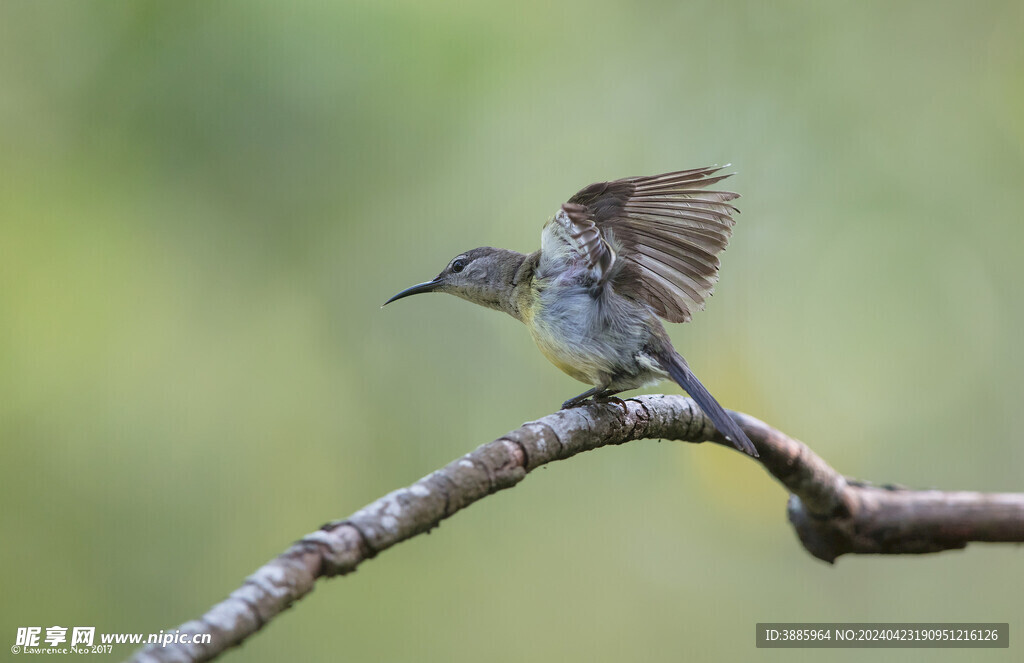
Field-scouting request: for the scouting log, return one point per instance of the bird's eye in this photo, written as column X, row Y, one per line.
column 458, row 265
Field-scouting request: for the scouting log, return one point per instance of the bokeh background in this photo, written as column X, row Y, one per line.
column 203, row 205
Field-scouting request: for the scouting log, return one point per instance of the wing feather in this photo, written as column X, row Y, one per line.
column 663, row 232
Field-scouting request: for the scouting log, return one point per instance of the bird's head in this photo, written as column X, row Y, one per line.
column 483, row 276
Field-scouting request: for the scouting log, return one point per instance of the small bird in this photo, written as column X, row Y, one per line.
column 614, row 259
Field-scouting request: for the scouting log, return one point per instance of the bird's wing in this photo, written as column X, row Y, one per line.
column 657, row 237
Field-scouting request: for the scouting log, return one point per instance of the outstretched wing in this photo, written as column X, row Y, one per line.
column 657, row 237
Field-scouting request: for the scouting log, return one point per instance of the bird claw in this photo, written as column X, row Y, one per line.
column 615, row 399
column 576, row 402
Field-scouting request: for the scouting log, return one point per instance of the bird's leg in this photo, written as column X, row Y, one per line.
column 600, row 391
column 609, row 395
column 577, row 400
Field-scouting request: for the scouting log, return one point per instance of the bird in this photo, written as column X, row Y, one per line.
column 615, row 260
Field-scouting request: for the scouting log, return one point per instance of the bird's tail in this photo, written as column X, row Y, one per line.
column 681, row 373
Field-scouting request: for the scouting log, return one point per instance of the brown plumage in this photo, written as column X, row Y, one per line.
column 667, row 230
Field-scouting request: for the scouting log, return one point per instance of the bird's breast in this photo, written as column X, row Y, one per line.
column 587, row 337
column 565, row 355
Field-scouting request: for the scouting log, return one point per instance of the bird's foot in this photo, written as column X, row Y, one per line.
column 585, row 399
column 615, row 399
column 573, row 402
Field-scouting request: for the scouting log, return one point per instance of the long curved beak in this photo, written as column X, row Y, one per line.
column 429, row 286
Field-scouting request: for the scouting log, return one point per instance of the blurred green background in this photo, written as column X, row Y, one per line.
column 203, row 206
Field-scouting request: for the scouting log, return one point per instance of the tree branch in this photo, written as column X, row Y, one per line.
column 831, row 514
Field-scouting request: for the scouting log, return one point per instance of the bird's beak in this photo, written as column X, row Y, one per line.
column 429, row 286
